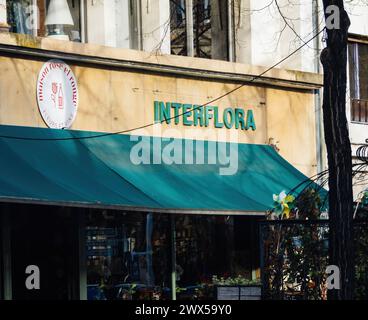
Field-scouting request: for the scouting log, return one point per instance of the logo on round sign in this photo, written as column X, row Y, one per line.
column 57, row 94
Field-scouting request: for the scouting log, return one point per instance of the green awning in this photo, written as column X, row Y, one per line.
column 99, row 173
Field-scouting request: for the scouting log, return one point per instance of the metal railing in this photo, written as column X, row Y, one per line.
column 294, row 257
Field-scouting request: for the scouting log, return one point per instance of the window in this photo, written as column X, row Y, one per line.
column 199, row 28
column 127, row 256
column 19, row 16
column 358, row 65
column 208, row 246
column 29, row 17
column 178, row 28
column 112, row 23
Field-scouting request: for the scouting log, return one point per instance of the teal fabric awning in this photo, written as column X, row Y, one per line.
column 100, row 172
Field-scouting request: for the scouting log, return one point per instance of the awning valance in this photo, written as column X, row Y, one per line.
column 100, row 172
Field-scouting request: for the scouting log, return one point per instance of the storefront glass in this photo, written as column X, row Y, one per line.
column 128, row 255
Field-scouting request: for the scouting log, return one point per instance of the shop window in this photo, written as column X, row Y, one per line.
column 214, row 246
column 204, row 248
column 358, row 66
column 199, row 28
column 127, row 256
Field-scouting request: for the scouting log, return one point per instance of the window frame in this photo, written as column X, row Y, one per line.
column 190, row 30
column 354, row 81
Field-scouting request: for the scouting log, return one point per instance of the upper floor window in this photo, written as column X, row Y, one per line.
column 104, row 22
column 200, row 28
column 197, row 28
column 55, row 18
column 358, row 75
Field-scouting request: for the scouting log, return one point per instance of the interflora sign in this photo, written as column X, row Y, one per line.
column 203, row 116
column 57, row 94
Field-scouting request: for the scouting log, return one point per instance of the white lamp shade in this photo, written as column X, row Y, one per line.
column 58, row 13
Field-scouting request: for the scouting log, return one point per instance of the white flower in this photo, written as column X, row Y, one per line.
column 282, row 195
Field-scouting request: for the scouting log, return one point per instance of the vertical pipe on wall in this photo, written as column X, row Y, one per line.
column 189, row 27
column 173, row 256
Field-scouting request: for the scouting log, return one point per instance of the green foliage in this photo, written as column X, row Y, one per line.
column 295, row 262
column 234, row 281
column 296, row 254
column 307, row 205
column 361, row 260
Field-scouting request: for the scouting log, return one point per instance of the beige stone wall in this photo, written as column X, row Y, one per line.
column 116, row 99
column 113, row 100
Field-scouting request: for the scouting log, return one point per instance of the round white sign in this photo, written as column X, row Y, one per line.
column 57, row 94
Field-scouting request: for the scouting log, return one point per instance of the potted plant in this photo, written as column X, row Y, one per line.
column 237, row 288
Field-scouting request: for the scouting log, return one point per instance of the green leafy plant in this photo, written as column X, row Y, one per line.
column 234, row 281
column 296, row 253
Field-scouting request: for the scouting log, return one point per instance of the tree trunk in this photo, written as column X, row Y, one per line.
column 334, row 60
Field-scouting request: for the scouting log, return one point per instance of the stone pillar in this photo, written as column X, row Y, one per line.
column 3, row 18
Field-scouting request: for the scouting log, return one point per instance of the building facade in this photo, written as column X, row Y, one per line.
column 143, row 68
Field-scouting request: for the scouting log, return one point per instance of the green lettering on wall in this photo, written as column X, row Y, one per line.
column 250, row 121
column 187, row 112
column 198, row 115
column 229, row 118
column 176, row 107
column 165, row 112
column 239, row 118
column 218, row 124
column 156, row 112
column 195, row 115
column 208, row 114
